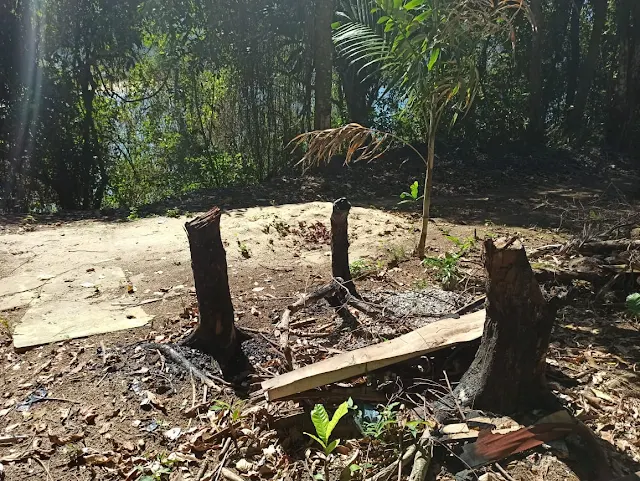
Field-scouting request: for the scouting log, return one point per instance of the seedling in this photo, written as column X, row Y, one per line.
column 411, row 196
column 446, row 268
column 244, row 250
column 633, row 304
column 325, row 426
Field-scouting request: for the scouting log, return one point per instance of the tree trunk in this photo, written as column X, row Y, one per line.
column 426, row 199
column 573, row 63
column 216, row 333
column 507, row 373
column 587, row 72
column 340, row 244
column 535, row 129
column 323, row 53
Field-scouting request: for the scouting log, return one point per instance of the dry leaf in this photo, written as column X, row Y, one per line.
column 244, row 466
column 88, row 415
column 182, row 458
column 96, row 459
column 173, row 433
column 151, row 400
column 602, row 395
column 62, row 439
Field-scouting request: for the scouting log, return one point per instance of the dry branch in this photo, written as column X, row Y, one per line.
column 178, row 358
column 282, row 328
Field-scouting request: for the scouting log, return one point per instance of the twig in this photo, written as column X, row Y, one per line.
column 386, row 473
column 504, row 473
column 104, row 353
column 455, row 398
column 46, row 470
column 202, row 470
column 59, row 399
column 423, row 458
column 180, row 359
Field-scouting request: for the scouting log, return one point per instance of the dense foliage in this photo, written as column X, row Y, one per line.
column 124, row 102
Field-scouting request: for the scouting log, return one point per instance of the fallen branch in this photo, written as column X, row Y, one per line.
column 386, row 473
column 230, row 475
column 282, row 328
column 178, row 358
column 422, row 459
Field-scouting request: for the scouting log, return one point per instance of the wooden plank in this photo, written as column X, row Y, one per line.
column 429, row 338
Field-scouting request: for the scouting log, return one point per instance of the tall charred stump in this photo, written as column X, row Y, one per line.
column 507, row 373
column 216, row 333
column 340, row 244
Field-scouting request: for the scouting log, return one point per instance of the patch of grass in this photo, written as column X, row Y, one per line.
column 420, row 284
column 633, row 304
column 446, row 269
column 174, row 213
column 133, row 214
column 395, row 254
column 5, row 326
column 243, row 249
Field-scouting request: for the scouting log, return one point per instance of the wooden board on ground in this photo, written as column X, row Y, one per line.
column 429, row 338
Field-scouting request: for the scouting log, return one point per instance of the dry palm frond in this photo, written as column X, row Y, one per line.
column 357, row 142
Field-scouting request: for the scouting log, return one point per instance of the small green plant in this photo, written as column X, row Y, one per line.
column 234, row 409
column 244, row 250
column 133, row 214
column 325, row 426
column 411, row 196
column 158, row 469
column 377, row 428
column 361, row 268
column 633, row 304
column 446, row 268
column 173, row 213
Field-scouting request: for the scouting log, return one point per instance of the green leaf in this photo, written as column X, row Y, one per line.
column 317, row 439
column 413, row 4
column 354, row 468
column 435, row 53
column 397, row 3
column 336, row 25
column 414, row 190
column 383, row 19
column 332, row 446
column 389, row 26
column 341, row 412
column 633, row 304
column 320, row 420
column 422, row 17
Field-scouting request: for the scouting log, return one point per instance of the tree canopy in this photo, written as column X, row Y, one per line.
column 125, row 102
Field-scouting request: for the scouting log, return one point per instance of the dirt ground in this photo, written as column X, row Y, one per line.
column 117, row 411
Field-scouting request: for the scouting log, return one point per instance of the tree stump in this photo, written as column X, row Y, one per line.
column 216, row 333
column 507, row 373
column 340, row 244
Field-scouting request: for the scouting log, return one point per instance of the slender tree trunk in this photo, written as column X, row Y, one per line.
column 323, row 54
column 428, row 184
column 507, row 373
column 535, row 129
column 587, row 72
column 619, row 112
column 573, row 63
column 216, row 333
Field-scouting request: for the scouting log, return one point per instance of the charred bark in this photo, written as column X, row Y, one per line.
column 216, row 333
column 340, row 244
column 507, row 373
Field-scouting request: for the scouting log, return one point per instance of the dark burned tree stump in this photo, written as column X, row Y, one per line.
column 340, row 244
column 507, row 373
column 216, row 333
